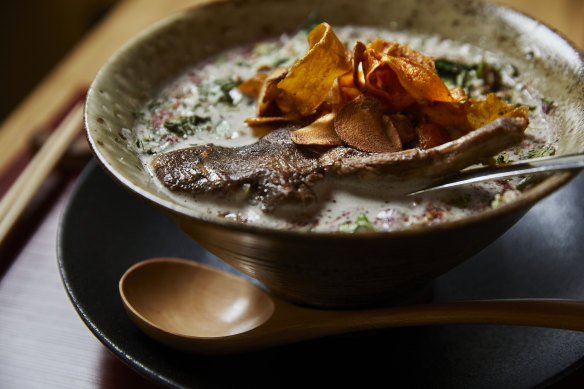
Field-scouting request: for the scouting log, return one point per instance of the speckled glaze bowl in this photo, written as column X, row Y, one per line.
column 331, row 269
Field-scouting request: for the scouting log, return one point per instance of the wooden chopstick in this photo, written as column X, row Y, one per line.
column 20, row 194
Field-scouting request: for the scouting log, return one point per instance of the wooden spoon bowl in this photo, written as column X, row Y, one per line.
column 192, row 299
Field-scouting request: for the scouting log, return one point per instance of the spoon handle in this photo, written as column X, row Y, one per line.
column 550, row 313
column 531, row 166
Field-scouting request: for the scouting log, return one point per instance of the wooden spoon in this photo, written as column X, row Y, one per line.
column 196, row 308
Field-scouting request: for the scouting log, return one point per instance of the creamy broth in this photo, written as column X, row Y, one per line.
column 203, row 106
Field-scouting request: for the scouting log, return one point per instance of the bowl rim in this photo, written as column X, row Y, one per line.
column 527, row 199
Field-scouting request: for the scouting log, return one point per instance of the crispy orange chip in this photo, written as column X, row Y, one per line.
column 481, row 112
column 400, row 75
column 421, row 82
column 447, row 115
column 358, row 57
column 342, row 91
column 253, row 85
column 266, row 120
column 309, row 80
column 431, row 135
column 381, row 97
column 381, row 81
column 393, row 49
column 268, row 93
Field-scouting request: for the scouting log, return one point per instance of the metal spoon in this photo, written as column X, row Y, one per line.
column 196, row 308
column 531, row 166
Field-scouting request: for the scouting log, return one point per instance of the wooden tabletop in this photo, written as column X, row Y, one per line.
column 43, row 343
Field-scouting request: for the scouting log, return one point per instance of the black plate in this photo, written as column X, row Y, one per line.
column 105, row 230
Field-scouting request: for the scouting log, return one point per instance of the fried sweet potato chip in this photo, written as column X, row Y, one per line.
column 379, row 98
column 309, row 80
column 421, row 82
column 266, row 103
column 358, row 56
column 393, row 49
column 431, row 135
column 253, row 85
column 461, row 118
column 481, row 112
column 381, row 81
column 401, row 75
column 447, row 115
column 260, row 121
column 343, row 91
column 267, row 108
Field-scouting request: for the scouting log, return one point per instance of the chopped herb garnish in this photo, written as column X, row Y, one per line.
column 361, row 223
column 459, row 74
column 547, row 101
column 218, row 91
column 264, row 48
column 186, row 125
column 497, row 201
column 481, row 69
column 545, row 151
column 226, row 84
column 455, row 73
column 490, row 75
column 449, row 68
column 223, row 128
column 154, row 104
column 269, row 55
column 546, row 105
column 502, row 158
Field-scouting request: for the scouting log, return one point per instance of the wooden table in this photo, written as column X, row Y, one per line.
column 43, row 343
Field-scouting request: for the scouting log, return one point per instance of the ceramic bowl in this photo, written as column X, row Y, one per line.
column 331, row 269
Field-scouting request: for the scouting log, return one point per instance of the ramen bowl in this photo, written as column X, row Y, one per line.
column 330, row 269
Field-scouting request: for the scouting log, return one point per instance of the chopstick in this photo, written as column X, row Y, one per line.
column 32, row 177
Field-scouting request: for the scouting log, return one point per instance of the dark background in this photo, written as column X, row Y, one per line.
column 36, row 34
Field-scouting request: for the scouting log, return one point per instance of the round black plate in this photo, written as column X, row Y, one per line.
column 105, row 230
